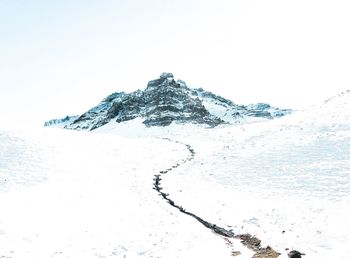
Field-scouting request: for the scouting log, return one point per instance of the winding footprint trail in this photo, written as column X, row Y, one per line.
column 248, row 240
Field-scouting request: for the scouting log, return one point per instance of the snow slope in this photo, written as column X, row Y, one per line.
column 286, row 181
column 74, row 194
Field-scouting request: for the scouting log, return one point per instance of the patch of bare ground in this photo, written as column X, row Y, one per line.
column 254, row 244
column 267, row 252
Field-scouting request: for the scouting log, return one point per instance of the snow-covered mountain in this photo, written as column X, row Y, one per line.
column 60, row 122
column 285, row 181
column 165, row 101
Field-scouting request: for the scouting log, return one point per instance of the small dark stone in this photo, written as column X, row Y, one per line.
column 295, row 254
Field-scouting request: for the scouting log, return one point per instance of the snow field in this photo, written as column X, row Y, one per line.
column 94, row 199
column 287, row 181
column 288, row 185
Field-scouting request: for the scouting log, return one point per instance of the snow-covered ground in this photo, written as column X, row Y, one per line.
column 286, row 181
column 75, row 194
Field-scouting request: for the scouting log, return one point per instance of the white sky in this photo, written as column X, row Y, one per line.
column 63, row 57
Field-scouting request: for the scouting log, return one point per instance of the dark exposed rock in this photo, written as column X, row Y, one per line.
column 295, row 254
column 236, row 253
column 165, row 101
column 251, row 241
column 60, row 122
column 97, row 116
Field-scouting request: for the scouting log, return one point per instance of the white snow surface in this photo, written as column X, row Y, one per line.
column 76, row 194
column 286, row 181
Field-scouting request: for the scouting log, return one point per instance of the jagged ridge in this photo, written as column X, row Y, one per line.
column 60, row 122
column 165, row 101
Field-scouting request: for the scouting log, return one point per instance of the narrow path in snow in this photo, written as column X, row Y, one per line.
column 251, row 242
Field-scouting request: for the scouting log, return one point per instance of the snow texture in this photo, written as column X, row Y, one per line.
column 77, row 194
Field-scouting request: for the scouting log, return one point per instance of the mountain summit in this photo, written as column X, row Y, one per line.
column 165, row 101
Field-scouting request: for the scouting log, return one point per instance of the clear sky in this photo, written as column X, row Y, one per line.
column 63, row 57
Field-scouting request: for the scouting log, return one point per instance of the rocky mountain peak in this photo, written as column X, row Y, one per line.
column 166, row 75
column 166, row 80
column 165, row 101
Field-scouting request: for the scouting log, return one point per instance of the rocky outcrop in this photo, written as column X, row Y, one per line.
column 61, row 122
column 165, row 101
column 99, row 115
